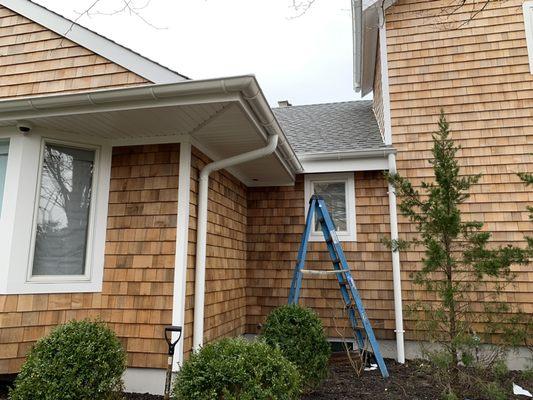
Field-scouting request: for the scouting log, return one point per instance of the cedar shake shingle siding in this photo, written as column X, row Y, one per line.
column 479, row 75
column 35, row 60
column 276, row 219
column 136, row 299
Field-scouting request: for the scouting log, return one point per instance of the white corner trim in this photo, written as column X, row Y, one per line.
column 16, row 230
column 385, row 91
column 527, row 7
column 102, row 46
column 349, row 178
column 182, row 241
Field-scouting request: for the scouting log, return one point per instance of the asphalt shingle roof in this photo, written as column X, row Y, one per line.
column 319, row 128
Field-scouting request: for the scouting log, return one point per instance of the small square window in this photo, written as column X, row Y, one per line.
column 338, row 191
column 63, row 211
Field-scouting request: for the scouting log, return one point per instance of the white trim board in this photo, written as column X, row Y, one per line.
column 528, row 23
column 364, row 164
column 99, row 44
column 182, row 242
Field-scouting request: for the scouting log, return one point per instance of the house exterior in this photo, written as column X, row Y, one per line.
column 476, row 64
column 138, row 196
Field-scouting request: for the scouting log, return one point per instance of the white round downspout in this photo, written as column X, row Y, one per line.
column 393, row 214
column 201, row 232
column 396, row 276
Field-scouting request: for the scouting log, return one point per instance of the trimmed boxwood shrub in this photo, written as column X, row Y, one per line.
column 298, row 333
column 80, row 360
column 237, row 369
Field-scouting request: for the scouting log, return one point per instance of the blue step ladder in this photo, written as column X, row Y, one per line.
column 350, row 295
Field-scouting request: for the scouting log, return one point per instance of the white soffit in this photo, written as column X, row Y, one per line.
column 127, row 58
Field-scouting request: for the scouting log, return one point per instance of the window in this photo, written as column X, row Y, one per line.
column 338, row 191
column 54, row 217
column 4, row 147
column 528, row 22
column 63, row 211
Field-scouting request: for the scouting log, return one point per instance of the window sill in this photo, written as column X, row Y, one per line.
column 52, row 287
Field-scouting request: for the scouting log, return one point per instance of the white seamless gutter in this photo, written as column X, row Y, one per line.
column 201, row 232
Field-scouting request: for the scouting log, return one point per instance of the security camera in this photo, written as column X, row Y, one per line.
column 24, row 127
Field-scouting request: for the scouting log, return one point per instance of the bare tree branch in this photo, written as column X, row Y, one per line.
column 301, row 7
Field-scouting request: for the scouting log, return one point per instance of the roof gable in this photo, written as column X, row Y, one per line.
column 112, row 51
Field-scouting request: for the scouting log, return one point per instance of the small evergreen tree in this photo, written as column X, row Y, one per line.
column 527, row 178
column 457, row 260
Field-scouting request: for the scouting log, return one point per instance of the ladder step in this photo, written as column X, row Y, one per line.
column 323, row 272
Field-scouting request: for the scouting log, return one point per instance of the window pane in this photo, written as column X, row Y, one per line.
column 4, row 147
column 334, row 194
column 63, row 215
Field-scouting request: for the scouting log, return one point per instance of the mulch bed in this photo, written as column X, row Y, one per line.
column 405, row 382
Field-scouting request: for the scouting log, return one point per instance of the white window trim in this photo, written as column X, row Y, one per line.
column 527, row 7
column 17, row 223
column 350, row 235
column 86, row 277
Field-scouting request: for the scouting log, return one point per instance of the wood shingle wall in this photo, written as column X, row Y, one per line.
column 35, row 60
column 276, row 219
column 136, row 299
column 226, row 266
column 479, row 75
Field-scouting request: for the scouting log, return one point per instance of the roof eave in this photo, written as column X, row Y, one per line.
column 365, row 37
column 245, row 87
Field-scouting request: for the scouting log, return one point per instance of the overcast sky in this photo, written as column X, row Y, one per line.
column 304, row 60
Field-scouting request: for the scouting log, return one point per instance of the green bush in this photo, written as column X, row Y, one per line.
column 237, row 369
column 299, row 334
column 80, row 360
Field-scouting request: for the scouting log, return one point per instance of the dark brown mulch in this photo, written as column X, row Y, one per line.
column 139, row 396
column 405, row 382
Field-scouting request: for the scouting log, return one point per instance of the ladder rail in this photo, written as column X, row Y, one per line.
column 352, row 316
column 296, row 283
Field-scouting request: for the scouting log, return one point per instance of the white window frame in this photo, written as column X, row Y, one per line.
column 527, row 8
column 18, row 219
column 90, row 228
column 350, row 235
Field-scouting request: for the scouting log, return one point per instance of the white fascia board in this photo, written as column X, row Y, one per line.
column 365, row 164
column 100, row 45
